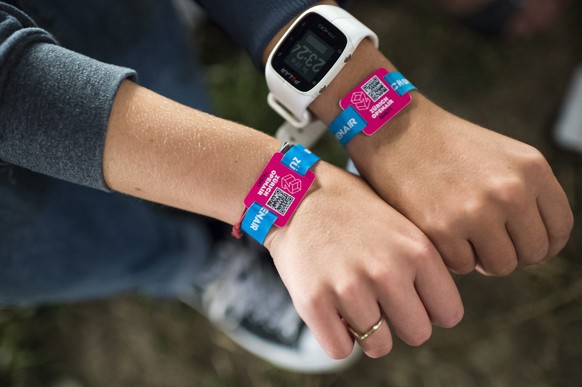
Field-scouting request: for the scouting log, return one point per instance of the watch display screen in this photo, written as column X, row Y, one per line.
column 309, row 52
column 309, row 56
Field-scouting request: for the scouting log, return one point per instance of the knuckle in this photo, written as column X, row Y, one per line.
column 462, row 266
column 380, row 350
column 423, row 251
column 453, row 318
column 420, row 337
column 310, row 301
column 511, row 187
column 567, row 227
column 349, row 289
column 510, row 191
column 538, row 251
column 477, row 209
column 440, row 227
column 339, row 352
column 504, row 268
column 560, row 234
column 381, row 276
column 534, row 161
column 507, row 191
column 568, row 223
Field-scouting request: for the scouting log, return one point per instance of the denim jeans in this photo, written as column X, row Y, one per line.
column 60, row 242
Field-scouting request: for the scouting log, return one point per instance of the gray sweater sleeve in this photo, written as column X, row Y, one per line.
column 54, row 103
column 253, row 23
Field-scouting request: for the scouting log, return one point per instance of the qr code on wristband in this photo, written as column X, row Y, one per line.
column 374, row 88
column 280, row 201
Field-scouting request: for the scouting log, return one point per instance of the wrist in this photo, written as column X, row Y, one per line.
column 322, row 185
column 363, row 60
column 277, row 192
column 393, row 133
column 409, row 136
column 366, row 59
column 309, row 56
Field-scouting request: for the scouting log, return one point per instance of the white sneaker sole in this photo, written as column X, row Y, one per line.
column 310, row 358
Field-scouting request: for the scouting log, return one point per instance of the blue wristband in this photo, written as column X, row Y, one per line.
column 299, row 159
column 347, row 125
column 400, row 84
column 258, row 219
column 349, row 122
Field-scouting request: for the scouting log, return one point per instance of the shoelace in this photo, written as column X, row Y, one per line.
column 246, row 288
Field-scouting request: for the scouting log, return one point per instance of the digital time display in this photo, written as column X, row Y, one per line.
column 309, row 52
column 308, row 56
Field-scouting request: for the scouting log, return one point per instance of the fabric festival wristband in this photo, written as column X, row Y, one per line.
column 277, row 192
column 371, row 104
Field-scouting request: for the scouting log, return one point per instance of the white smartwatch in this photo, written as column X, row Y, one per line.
column 308, row 57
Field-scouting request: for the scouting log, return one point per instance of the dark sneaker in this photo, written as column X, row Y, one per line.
column 243, row 295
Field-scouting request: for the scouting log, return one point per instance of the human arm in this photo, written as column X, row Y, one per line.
column 74, row 118
column 161, row 151
column 54, row 103
column 482, row 198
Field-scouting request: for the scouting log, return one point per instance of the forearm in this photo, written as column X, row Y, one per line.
column 400, row 133
column 365, row 60
column 161, row 151
column 453, row 179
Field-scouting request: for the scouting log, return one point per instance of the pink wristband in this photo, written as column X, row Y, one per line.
column 277, row 192
column 375, row 101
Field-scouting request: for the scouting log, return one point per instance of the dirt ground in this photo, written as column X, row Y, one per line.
column 522, row 330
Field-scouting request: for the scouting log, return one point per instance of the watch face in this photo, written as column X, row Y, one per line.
column 309, row 52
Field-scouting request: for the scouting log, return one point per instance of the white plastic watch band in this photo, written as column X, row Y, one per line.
column 306, row 136
column 293, row 104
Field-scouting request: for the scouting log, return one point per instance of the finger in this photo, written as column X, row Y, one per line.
column 438, row 293
column 557, row 216
column 528, row 235
column 408, row 316
column 375, row 339
column 328, row 328
column 495, row 251
column 457, row 254
column 361, row 312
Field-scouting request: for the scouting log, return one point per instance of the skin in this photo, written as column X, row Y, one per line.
column 484, row 200
column 161, row 151
column 354, row 264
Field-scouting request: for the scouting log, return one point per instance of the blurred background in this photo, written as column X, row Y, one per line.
column 522, row 330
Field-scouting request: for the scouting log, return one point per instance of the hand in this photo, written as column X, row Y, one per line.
column 349, row 258
column 483, row 199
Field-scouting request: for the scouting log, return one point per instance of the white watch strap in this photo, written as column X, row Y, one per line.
column 293, row 104
column 306, row 136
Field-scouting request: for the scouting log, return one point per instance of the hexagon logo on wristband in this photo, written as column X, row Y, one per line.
column 383, row 101
column 279, row 189
column 277, row 192
column 371, row 104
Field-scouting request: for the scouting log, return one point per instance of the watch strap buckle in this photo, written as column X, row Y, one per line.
column 279, row 107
